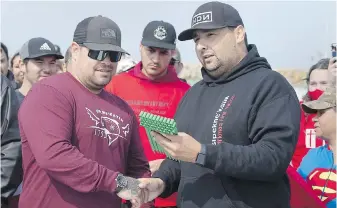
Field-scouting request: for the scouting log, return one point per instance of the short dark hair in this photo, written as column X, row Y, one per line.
column 5, row 49
column 13, row 57
column 246, row 39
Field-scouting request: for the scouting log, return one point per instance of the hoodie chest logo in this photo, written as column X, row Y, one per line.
column 219, row 118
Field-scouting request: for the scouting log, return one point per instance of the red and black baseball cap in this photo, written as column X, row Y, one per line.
column 212, row 15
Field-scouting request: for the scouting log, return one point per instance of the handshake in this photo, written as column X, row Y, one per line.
column 139, row 191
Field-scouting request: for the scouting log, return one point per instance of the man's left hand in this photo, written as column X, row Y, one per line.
column 181, row 147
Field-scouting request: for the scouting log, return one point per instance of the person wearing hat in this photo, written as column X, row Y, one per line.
column 36, row 64
column 78, row 141
column 317, row 81
column 177, row 64
column 59, row 62
column 37, row 60
column 152, row 86
column 238, row 126
column 318, row 167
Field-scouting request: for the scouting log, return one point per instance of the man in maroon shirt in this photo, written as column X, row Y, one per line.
column 77, row 139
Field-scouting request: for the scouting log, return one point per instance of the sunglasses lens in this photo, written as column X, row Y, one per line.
column 115, row 56
column 173, row 61
column 101, row 55
column 97, row 55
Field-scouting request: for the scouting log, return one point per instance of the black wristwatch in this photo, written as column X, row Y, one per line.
column 201, row 157
column 121, row 182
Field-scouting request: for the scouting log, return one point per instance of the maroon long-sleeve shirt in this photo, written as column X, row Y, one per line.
column 74, row 143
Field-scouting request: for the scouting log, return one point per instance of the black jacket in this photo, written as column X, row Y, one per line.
column 11, row 160
column 10, row 77
column 249, row 121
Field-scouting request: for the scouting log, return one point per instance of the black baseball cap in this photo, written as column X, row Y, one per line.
column 99, row 33
column 212, row 15
column 57, row 48
column 38, row 47
column 159, row 34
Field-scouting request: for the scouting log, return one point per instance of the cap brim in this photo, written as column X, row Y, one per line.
column 58, row 56
column 188, row 34
column 312, row 107
column 104, row 47
column 158, row 45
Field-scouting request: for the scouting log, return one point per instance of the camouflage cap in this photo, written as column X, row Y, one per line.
column 325, row 101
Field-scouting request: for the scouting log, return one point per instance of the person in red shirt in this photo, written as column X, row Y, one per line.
column 78, row 140
column 317, row 81
column 153, row 86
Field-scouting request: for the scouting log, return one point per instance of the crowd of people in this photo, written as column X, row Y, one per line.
column 70, row 133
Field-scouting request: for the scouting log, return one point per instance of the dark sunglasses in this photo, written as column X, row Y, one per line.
column 101, row 55
column 173, row 61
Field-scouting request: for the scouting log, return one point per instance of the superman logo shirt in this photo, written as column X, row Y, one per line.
column 319, row 171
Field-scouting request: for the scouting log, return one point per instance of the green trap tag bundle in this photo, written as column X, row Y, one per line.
column 163, row 125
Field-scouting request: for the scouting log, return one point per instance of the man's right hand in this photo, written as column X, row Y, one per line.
column 150, row 188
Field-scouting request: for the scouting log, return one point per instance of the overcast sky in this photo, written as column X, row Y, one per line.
column 288, row 34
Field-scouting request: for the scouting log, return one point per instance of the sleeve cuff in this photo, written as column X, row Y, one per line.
column 161, row 175
column 211, row 156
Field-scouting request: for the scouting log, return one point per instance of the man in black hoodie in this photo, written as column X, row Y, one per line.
column 241, row 124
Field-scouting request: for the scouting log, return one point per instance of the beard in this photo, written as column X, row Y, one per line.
column 218, row 68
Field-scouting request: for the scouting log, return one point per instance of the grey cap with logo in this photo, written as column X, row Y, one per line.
column 325, row 101
column 159, row 34
column 38, row 47
column 99, row 33
column 210, row 16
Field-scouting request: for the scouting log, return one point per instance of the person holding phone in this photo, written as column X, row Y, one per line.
column 317, row 81
column 318, row 167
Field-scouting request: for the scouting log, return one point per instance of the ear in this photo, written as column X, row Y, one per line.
column 140, row 47
column 64, row 67
column 240, row 34
column 75, row 50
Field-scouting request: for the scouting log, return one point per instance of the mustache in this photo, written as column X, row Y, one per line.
column 104, row 67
